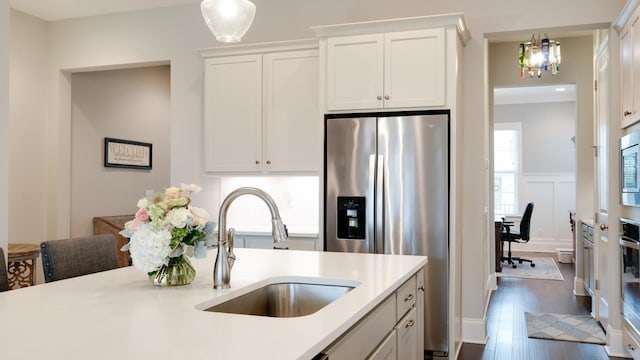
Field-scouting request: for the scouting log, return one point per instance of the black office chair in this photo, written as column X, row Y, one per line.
column 521, row 237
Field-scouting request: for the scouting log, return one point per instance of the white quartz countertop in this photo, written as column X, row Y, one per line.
column 118, row 314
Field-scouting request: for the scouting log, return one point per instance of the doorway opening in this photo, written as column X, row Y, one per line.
column 535, row 160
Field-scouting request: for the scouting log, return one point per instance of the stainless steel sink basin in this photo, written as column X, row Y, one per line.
column 287, row 299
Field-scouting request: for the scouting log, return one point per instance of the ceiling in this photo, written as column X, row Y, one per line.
column 52, row 10
column 534, row 94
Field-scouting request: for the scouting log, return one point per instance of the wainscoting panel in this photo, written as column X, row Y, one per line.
column 554, row 196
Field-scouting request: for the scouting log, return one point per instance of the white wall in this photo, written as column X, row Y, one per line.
column 129, row 104
column 4, row 124
column 28, row 119
column 174, row 34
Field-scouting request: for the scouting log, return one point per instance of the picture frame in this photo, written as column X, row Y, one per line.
column 128, row 154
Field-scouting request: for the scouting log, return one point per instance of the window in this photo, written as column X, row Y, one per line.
column 506, row 155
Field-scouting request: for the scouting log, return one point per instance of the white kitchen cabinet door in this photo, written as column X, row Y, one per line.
column 233, row 114
column 626, row 54
column 414, row 68
column 420, row 313
column 355, row 72
column 630, row 69
column 292, row 128
column 635, row 72
column 407, row 332
column 386, row 350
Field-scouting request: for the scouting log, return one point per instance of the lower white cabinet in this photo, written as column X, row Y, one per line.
column 365, row 336
column 390, row 331
column 407, row 333
column 387, row 350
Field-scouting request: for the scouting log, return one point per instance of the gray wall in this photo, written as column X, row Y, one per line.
column 131, row 104
column 547, row 129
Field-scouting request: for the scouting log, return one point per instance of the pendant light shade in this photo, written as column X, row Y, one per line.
column 228, row 20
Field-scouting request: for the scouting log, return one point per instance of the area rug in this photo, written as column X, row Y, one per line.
column 576, row 328
column 546, row 268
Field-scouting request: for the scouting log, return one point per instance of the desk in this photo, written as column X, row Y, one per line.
column 22, row 264
column 498, row 240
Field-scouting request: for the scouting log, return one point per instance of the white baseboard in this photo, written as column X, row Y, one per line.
column 474, row 331
column 578, row 287
column 542, row 245
column 615, row 344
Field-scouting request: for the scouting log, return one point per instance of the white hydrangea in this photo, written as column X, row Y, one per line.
column 178, row 217
column 200, row 216
column 150, row 249
column 143, row 203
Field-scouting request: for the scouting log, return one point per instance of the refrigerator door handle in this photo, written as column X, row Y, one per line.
column 379, row 214
column 370, row 204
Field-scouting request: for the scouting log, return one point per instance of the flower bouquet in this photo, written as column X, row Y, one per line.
column 166, row 231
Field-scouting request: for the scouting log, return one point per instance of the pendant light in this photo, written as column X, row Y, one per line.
column 228, row 20
column 539, row 54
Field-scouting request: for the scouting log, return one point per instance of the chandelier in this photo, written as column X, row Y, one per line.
column 539, row 55
column 228, row 20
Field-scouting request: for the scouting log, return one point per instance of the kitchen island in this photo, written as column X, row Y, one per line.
column 118, row 314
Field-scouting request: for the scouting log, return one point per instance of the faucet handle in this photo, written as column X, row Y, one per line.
column 231, row 235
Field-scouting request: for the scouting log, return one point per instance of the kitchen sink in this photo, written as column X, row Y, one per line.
column 285, row 299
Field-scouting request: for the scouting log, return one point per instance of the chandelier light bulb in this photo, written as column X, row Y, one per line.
column 228, row 20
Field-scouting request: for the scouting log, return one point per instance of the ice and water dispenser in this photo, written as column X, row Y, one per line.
column 352, row 217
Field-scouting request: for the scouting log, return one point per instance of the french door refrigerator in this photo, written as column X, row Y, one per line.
column 387, row 191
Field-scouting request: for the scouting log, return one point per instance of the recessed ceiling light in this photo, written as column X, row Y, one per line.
column 560, row 89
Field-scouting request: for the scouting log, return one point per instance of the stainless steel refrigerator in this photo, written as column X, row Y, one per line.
column 387, row 191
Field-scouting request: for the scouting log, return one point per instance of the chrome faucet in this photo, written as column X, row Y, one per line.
column 225, row 257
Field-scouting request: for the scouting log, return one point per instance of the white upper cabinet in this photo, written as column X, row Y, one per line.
column 392, row 70
column 355, row 72
column 233, row 113
column 629, row 30
column 400, row 64
column 261, row 110
column 414, row 68
column 292, row 129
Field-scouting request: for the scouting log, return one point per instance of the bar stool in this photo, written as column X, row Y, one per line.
column 22, row 264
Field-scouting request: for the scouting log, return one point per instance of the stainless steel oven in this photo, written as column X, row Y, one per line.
column 630, row 250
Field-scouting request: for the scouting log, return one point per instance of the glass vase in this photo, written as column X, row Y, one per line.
column 178, row 272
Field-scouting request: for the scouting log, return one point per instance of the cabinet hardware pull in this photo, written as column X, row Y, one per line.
column 421, row 288
column 409, row 324
column 627, row 113
column 387, row 97
column 408, row 298
column 268, row 162
column 379, row 98
column 257, row 162
column 604, row 227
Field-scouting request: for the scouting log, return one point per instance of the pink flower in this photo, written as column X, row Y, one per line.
column 142, row 215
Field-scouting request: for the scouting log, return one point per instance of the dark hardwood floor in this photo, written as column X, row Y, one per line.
column 507, row 328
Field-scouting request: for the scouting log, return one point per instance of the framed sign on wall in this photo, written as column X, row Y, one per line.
column 127, row 154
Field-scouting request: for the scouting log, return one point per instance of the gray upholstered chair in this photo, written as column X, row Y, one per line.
column 4, row 280
column 63, row 259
